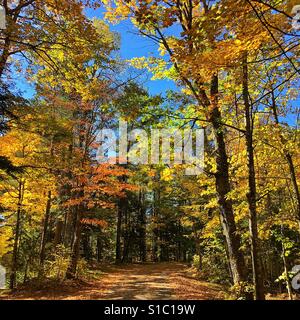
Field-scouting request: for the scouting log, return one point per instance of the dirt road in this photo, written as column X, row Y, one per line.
column 132, row 282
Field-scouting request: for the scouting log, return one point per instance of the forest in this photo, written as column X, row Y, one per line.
column 79, row 220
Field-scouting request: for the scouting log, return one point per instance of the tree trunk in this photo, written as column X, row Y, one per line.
column 199, row 253
column 45, row 230
column 13, row 275
column 223, row 186
column 155, row 217
column 142, row 227
column 86, row 243
column 71, row 272
column 99, row 249
column 58, row 233
column 251, row 196
column 119, row 231
column 127, row 234
column 127, row 247
column 4, row 56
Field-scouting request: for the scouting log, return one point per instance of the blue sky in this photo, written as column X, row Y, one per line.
column 134, row 45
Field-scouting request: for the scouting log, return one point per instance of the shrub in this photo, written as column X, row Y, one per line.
column 82, row 269
column 58, row 265
column 196, row 261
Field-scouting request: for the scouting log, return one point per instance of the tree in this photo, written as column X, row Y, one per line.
column 36, row 27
